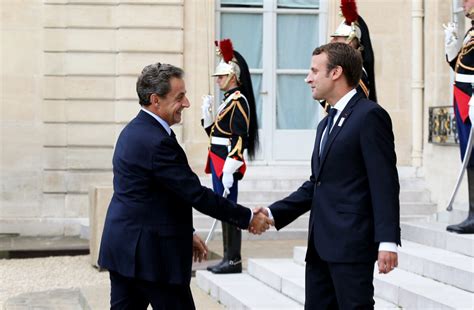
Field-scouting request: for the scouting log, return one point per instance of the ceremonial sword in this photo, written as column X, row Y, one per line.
column 214, row 223
column 465, row 162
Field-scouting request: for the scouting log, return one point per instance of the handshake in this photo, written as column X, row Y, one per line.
column 261, row 221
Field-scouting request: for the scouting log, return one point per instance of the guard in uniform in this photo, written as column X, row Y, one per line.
column 232, row 130
column 460, row 56
column 354, row 31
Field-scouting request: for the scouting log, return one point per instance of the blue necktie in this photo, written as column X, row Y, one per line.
column 331, row 114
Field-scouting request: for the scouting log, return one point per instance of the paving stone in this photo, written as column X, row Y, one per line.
column 60, row 299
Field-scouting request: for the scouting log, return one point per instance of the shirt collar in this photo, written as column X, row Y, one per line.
column 341, row 104
column 160, row 120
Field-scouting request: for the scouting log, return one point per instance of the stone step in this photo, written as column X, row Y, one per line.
column 241, row 291
column 204, row 222
column 452, row 217
column 287, row 277
column 434, row 234
column 260, row 196
column 412, row 291
column 263, row 184
column 299, row 254
column 272, row 234
column 438, row 264
column 417, row 208
column 441, row 265
column 292, row 184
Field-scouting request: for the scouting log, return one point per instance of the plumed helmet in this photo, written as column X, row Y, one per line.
column 228, row 64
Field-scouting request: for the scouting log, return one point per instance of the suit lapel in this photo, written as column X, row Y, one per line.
column 317, row 142
column 336, row 129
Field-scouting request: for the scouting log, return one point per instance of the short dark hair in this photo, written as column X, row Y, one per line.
column 155, row 79
column 343, row 55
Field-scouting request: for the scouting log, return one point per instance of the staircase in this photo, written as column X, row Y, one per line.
column 263, row 185
column 436, row 268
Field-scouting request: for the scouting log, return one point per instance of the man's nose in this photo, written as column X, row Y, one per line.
column 186, row 103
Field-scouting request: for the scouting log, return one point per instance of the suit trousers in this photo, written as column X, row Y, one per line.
column 136, row 294
column 338, row 285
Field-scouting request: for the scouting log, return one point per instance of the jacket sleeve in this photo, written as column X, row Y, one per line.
column 378, row 151
column 172, row 171
column 290, row 208
column 239, row 127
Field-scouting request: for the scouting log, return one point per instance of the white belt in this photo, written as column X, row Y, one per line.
column 220, row 141
column 464, row 78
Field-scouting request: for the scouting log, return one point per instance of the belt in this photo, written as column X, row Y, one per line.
column 220, row 141
column 464, row 78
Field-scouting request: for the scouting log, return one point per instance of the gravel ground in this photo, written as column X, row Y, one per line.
column 19, row 276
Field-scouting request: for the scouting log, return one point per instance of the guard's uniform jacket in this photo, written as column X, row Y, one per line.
column 228, row 135
column 463, row 66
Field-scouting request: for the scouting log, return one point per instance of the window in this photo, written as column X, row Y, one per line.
column 277, row 38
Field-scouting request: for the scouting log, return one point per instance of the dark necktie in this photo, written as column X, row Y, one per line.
column 331, row 114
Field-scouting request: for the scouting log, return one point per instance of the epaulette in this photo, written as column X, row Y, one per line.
column 236, row 95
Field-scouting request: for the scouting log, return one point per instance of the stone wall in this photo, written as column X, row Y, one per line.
column 82, row 59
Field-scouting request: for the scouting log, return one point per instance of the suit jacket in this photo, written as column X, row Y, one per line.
column 149, row 226
column 353, row 191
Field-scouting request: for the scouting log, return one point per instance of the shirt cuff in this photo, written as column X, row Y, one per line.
column 388, row 246
column 270, row 215
column 251, row 216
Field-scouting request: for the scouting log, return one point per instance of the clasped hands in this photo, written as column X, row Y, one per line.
column 260, row 221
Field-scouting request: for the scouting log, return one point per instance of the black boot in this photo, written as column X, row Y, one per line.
column 232, row 260
column 466, row 226
column 225, row 243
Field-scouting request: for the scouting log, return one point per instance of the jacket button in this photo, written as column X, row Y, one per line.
column 319, row 183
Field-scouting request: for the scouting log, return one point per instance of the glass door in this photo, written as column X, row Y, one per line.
column 277, row 37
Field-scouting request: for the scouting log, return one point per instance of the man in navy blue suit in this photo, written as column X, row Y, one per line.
column 353, row 191
column 148, row 241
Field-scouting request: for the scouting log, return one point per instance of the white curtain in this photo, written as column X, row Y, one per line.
column 297, row 36
column 298, row 4
column 245, row 31
column 296, row 109
column 238, row 27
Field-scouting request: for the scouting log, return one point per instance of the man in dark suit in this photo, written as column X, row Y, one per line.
column 147, row 243
column 353, row 191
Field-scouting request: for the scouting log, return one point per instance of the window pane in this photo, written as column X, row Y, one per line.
column 298, row 4
column 241, row 3
column 237, row 27
column 297, row 36
column 257, row 86
column 296, row 109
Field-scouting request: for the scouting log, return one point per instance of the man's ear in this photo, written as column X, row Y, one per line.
column 155, row 100
column 336, row 73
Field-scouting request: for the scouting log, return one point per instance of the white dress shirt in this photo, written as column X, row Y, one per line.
column 160, row 120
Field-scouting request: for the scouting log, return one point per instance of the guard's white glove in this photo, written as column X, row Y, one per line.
column 451, row 41
column 471, row 109
column 230, row 166
column 206, row 110
column 227, row 180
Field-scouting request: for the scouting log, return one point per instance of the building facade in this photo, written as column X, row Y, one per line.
column 68, row 72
